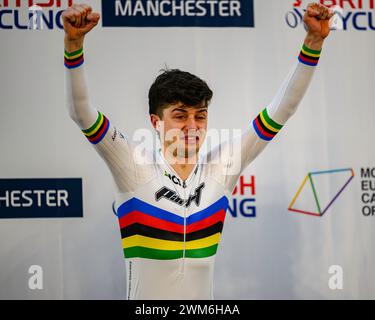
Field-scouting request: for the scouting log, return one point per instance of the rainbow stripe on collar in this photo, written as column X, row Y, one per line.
column 98, row 130
column 73, row 59
column 265, row 127
column 308, row 56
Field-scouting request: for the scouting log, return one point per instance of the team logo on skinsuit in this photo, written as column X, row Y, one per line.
column 175, row 179
column 171, row 195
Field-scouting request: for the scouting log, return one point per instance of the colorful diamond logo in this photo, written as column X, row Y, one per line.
column 325, row 188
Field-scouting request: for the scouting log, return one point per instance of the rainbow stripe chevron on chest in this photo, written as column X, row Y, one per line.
column 153, row 233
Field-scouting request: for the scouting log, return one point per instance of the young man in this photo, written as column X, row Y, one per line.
column 170, row 203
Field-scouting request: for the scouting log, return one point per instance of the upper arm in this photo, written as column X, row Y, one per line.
column 248, row 146
column 118, row 152
column 264, row 127
column 116, row 148
column 228, row 160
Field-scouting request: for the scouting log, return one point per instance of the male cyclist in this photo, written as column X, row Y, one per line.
column 171, row 201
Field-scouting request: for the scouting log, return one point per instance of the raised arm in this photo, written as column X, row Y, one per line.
column 273, row 117
column 78, row 20
column 286, row 101
column 113, row 146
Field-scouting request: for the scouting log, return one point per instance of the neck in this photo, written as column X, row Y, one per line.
column 183, row 166
column 183, row 170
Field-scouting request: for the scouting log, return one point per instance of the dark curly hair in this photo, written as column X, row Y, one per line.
column 174, row 85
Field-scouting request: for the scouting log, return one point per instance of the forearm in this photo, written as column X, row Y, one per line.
column 294, row 87
column 272, row 118
column 314, row 42
column 75, row 84
column 73, row 45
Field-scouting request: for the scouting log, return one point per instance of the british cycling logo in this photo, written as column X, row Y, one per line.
column 178, row 13
column 32, row 14
column 350, row 14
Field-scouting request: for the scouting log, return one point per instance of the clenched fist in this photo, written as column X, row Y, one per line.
column 79, row 20
column 317, row 19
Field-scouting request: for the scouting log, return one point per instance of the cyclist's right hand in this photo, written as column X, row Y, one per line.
column 79, row 20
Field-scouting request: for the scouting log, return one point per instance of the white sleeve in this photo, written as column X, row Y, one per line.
column 116, row 148
column 239, row 153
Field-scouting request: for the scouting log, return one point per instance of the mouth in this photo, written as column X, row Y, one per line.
column 191, row 140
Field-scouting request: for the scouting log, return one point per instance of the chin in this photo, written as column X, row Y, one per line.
column 191, row 151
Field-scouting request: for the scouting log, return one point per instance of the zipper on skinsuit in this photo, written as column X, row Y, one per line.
column 186, row 210
column 182, row 269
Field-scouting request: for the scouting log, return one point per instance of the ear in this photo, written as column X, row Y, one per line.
column 155, row 119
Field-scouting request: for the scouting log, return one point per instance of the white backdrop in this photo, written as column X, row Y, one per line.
column 277, row 255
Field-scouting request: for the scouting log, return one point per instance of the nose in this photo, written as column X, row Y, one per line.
column 191, row 123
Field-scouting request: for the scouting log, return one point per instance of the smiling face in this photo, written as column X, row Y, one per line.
column 182, row 129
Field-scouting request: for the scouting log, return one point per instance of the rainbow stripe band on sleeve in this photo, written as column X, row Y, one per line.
column 73, row 59
column 308, row 56
column 265, row 127
column 98, row 130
